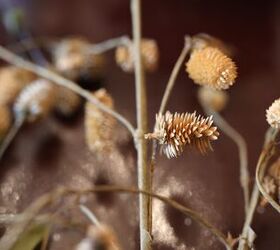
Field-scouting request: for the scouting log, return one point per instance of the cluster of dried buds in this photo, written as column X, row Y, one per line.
column 175, row 131
column 273, row 114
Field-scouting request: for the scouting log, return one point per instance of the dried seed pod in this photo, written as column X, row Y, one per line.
column 99, row 237
column 174, row 131
column 212, row 98
column 72, row 58
column 99, row 125
column 273, row 114
column 12, row 81
column 149, row 51
column 5, row 120
column 210, row 67
column 67, row 101
column 36, row 100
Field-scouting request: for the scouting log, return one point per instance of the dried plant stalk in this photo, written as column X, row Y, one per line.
column 5, row 120
column 13, row 80
column 67, row 101
column 211, row 67
column 98, row 125
column 174, row 131
column 125, row 56
column 36, row 100
column 72, row 58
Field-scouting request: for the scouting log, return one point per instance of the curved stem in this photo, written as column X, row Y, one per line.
column 52, row 197
column 11, row 135
column 265, row 156
column 242, row 148
column 10, row 57
column 90, row 215
column 108, row 45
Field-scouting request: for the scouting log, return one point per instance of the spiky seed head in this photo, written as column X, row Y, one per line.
column 211, row 67
column 212, row 98
column 5, row 120
column 12, row 81
column 67, row 101
column 99, row 126
column 273, row 114
column 175, row 131
column 149, row 51
column 36, row 100
column 72, row 58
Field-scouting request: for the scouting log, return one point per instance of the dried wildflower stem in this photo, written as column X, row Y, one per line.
column 52, row 197
column 90, row 215
column 141, row 143
column 260, row 171
column 164, row 101
column 11, row 135
column 11, row 58
column 242, row 148
column 266, row 154
column 108, row 45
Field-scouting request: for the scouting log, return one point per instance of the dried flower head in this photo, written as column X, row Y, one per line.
column 5, row 120
column 67, row 101
column 99, row 125
column 149, row 51
column 273, row 114
column 36, row 100
column 271, row 182
column 211, row 67
column 212, row 98
column 12, row 81
column 72, row 58
column 174, row 131
column 203, row 40
column 99, row 237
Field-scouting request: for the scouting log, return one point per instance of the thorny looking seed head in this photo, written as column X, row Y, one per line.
column 36, row 100
column 212, row 98
column 273, row 114
column 174, row 131
column 211, row 67
column 149, row 51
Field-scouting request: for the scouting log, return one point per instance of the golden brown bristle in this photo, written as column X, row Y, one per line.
column 67, row 101
column 5, row 120
column 212, row 98
column 36, row 100
column 149, row 51
column 174, row 131
column 72, row 58
column 12, row 81
column 210, row 67
column 99, row 125
column 273, row 114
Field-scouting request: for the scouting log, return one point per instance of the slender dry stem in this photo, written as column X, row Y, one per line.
column 51, row 198
column 11, row 58
column 90, row 215
column 141, row 143
column 242, row 148
column 108, row 45
column 169, row 87
column 265, row 156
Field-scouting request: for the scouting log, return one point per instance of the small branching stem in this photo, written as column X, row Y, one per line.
column 242, row 148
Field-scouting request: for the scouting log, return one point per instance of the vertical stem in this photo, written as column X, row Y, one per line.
column 141, row 144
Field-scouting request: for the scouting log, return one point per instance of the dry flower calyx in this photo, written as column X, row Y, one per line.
column 209, row 66
column 175, row 131
column 149, row 51
column 273, row 114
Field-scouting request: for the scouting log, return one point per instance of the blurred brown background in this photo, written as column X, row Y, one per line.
column 53, row 153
